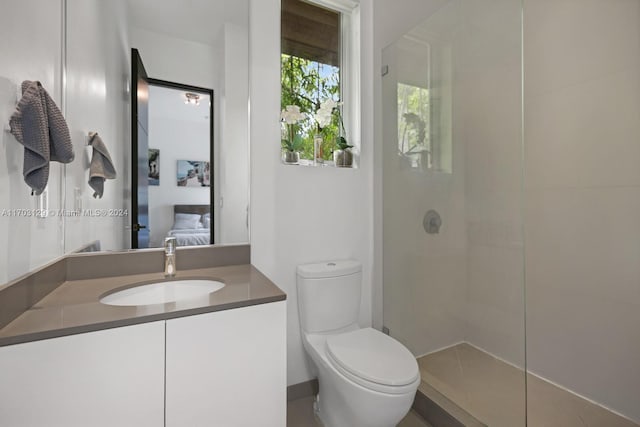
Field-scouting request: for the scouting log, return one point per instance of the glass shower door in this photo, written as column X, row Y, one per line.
column 453, row 267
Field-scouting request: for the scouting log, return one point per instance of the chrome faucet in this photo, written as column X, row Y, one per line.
column 170, row 244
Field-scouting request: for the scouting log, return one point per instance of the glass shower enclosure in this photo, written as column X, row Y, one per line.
column 510, row 249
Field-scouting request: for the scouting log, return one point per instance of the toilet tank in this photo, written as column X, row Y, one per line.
column 329, row 295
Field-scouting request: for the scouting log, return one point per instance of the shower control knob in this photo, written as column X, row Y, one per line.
column 432, row 222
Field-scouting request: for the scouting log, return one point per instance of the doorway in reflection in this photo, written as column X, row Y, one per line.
column 178, row 160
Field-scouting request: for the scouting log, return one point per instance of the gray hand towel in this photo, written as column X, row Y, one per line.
column 30, row 126
column 101, row 166
column 38, row 124
column 59, row 138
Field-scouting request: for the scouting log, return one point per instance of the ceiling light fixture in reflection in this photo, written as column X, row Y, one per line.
column 192, row 98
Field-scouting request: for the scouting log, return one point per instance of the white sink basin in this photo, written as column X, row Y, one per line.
column 163, row 292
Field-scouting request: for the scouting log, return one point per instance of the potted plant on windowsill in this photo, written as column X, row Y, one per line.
column 329, row 111
column 292, row 142
column 342, row 156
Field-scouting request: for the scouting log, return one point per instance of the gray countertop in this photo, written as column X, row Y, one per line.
column 74, row 306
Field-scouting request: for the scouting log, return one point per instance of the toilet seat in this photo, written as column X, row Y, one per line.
column 373, row 360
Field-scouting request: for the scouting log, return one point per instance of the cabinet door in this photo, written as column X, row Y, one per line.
column 106, row 378
column 228, row 368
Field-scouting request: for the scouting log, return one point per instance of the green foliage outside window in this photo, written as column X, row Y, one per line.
column 307, row 83
column 414, row 143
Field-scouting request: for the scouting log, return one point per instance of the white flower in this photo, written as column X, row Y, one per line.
column 324, row 113
column 328, row 104
column 323, row 117
column 291, row 114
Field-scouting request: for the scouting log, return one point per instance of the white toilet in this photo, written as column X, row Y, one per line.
column 367, row 379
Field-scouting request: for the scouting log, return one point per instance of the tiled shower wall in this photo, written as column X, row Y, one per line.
column 582, row 150
column 489, row 124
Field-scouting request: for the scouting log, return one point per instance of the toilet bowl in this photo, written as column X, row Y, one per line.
column 366, row 378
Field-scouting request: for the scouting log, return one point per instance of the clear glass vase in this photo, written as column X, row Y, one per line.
column 317, row 149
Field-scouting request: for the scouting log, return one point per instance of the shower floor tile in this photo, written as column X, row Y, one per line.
column 493, row 392
column 300, row 414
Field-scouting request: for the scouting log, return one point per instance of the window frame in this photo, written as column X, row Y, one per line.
column 349, row 67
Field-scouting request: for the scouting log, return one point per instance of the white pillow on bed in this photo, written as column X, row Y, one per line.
column 186, row 221
column 206, row 220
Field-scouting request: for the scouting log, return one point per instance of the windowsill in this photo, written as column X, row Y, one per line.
column 328, row 164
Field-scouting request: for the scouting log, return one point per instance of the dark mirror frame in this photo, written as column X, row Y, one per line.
column 134, row 155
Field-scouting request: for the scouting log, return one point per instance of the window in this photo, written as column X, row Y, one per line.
column 313, row 50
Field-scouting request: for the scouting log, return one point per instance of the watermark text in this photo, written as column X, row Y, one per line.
column 43, row 213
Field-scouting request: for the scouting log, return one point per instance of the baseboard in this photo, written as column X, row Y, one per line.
column 300, row 390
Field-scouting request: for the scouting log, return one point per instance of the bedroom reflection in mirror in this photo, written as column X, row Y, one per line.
column 179, row 204
column 191, row 225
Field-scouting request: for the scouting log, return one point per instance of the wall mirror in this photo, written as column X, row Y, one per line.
column 81, row 53
column 174, row 133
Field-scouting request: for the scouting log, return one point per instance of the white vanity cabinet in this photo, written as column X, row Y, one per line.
column 221, row 369
column 227, row 368
column 113, row 377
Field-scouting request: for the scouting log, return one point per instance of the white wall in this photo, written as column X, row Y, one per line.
column 301, row 214
column 178, row 60
column 178, row 137
column 32, row 53
column 582, row 141
column 392, row 21
column 97, row 70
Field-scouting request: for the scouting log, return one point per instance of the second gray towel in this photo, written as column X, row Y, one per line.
column 39, row 125
column 101, row 166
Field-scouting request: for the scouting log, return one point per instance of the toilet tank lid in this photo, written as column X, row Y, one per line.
column 329, row 269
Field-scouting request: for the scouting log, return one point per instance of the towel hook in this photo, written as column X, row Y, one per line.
column 90, row 136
